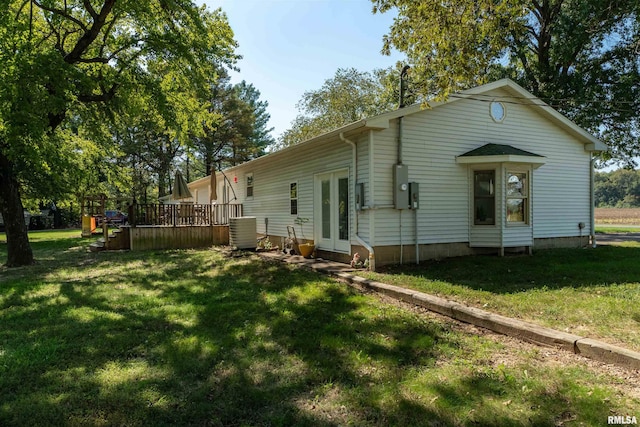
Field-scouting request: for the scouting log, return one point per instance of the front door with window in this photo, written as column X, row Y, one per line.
column 332, row 212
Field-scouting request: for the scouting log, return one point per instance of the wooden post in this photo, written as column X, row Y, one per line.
column 105, row 231
column 132, row 213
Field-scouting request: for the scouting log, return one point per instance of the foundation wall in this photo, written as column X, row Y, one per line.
column 561, row 242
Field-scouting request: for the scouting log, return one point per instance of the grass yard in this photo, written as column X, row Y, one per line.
column 197, row 338
column 589, row 292
column 616, row 229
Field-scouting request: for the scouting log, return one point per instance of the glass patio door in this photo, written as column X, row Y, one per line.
column 332, row 211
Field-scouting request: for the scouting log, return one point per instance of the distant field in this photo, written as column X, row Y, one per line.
column 618, row 216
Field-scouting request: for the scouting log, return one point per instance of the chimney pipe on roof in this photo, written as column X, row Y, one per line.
column 403, row 84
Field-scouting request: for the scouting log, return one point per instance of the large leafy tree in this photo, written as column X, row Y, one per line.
column 162, row 117
column 618, row 189
column 64, row 62
column 350, row 95
column 581, row 56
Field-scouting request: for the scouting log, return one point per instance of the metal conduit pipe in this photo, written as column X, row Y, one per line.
column 592, row 200
column 415, row 217
column 403, row 77
column 354, row 160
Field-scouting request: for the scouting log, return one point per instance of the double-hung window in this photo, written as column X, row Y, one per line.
column 517, row 197
column 249, row 185
column 484, row 197
column 293, row 198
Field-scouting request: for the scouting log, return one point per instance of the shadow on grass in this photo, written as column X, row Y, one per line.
column 190, row 338
column 552, row 269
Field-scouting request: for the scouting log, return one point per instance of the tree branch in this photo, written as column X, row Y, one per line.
column 91, row 34
column 96, row 60
column 90, row 9
column 62, row 13
column 105, row 96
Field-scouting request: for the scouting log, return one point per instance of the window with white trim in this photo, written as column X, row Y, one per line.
column 517, row 197
column 249, row 178
column 293, row 198
column 484, row 197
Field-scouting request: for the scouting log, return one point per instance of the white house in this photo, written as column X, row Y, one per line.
column 491, row 169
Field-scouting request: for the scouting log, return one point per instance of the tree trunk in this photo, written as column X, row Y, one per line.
column 18, row 248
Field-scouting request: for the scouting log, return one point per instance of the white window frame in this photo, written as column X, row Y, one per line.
column 494, row 197
column 249, row 184
column 525, row 195
column 291, row 198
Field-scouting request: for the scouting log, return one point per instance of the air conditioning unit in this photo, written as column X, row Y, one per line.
column 243, row 232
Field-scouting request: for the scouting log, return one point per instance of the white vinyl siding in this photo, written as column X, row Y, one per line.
column 363, row 150
column 272, row 176
column 559, row 197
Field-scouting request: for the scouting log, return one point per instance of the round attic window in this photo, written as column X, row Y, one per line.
column 498, row 111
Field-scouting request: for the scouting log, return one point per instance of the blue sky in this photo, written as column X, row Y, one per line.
column 292, row 46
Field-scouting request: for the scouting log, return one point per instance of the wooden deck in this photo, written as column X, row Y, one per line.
column 181, row 226
column 188, row 214
column 177, row 237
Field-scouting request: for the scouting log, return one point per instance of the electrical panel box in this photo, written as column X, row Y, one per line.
column 359, row 196
column 401, row 186
column 414, row 195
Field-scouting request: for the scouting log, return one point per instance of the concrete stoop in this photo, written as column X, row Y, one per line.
column 516, row 328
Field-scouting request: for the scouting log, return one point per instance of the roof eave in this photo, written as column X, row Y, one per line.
column 503, row 158
column 596, row 147
column 360, row 124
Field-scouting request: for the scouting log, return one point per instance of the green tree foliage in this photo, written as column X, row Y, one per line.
column 580, row 56
column 350, row 95
column 617, row 189
column 163, row 115
column 239, row 132
column 261, row 139
column 69, row 65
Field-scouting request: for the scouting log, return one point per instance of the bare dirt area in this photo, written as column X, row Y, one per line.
column 617, row 216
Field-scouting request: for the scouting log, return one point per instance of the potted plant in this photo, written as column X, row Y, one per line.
column 306, row 248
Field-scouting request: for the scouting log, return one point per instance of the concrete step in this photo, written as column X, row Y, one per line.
column 97, row 246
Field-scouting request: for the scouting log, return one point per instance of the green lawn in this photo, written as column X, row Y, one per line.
column 197, row 338
column 617, row 229
column 589, row 292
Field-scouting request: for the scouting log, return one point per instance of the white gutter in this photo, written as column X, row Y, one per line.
column 354, row 160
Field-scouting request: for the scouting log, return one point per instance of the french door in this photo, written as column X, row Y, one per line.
column 332, row 211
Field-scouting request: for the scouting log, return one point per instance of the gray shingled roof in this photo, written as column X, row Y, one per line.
column 498, row 150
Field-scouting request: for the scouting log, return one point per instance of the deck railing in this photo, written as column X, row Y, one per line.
column 182, row 214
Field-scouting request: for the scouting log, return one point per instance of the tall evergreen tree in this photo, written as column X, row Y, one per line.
column 240, row 132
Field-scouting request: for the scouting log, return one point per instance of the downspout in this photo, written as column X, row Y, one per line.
column 354, row 167
column 592, row 201
column 415, row 217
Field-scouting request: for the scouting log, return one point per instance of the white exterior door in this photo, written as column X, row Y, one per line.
column 331, row 216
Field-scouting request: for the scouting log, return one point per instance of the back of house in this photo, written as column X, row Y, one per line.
column 492, row 169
